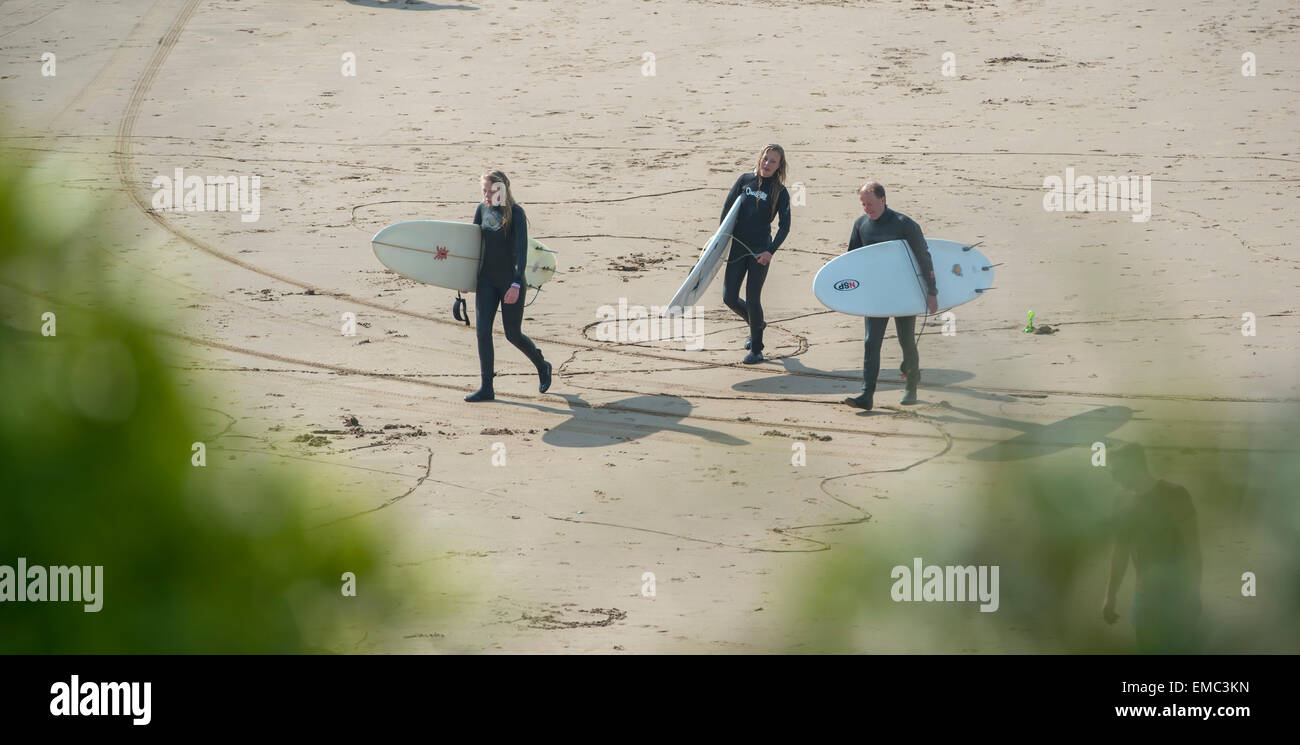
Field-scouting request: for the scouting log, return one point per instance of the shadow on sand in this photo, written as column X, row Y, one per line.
column 620, row 421
column 848, row 382
column 1078, row 431
column 408, row 5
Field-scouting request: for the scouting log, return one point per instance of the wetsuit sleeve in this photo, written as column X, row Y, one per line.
column 854, row 240
column 478, row 214
column 519, row 231
column 912, row 234
column 783, row 226
column 731, row 198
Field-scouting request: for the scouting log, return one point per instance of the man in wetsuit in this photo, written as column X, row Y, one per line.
column 878, row 225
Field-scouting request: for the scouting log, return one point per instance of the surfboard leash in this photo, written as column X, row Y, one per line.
column 916, row 271
column 458, row 309
column 744, row 246
column 536, row 291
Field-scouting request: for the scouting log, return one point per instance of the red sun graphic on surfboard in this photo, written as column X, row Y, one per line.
column 440, row 253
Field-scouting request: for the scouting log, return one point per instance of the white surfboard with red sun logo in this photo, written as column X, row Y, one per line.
column 447, row 254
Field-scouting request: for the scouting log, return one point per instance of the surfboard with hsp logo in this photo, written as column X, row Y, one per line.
column 883, row 279
column 447, row 254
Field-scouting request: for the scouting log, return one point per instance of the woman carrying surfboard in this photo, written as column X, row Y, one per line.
column 504, row 227
column 752, row 244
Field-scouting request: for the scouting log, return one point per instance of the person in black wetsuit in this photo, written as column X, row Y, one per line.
column 501, row 281
column 1155, row 526
column 881, row 224
column 752, row 244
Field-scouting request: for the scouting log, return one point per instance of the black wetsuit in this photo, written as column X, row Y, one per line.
column 889, row 227
column 751, row 237
column 1159, row 527
column 505, row 254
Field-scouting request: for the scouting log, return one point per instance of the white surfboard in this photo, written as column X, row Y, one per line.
column 715, row 251
column 883, row 279
column 447, row 254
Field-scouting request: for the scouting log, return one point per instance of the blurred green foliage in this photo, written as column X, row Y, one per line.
column 1048, row 522
column 95, row 456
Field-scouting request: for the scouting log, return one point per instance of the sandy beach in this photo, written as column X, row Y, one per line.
column 647, row 457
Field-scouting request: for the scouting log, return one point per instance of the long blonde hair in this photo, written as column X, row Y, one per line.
column 780, row 170
column 508, row 205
